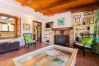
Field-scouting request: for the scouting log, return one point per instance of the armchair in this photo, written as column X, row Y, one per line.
column 29, row 39
column 86, row 44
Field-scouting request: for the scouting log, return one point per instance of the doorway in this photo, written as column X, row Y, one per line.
column 37, row 31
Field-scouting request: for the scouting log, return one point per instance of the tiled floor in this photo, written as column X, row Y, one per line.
column 88, row 60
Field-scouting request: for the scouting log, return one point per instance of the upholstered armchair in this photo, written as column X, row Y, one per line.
column 29, row 39
column 86, row 43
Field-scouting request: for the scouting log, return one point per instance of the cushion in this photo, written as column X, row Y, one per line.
column 87, row 41
column 28, row 39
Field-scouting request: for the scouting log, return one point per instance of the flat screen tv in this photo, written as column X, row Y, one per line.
column 49, row 25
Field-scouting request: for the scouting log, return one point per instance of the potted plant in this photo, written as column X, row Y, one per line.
column 95, row 47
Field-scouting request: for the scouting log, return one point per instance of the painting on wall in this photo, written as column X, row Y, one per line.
column 91, row 20
column 61, row 21
column 77, row 19
column 85, row 21
column 77, row 16
column 26, row 26
column 88, row 13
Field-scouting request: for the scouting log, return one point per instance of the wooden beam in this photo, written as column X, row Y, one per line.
column 59, row 2
column 38, row 4
column 50, row 7
column 90, row 7
column 67, row 6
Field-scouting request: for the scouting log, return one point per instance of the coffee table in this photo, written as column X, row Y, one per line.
column 67, row 57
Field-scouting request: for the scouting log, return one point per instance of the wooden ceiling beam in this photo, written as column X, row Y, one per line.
column 49, row 7
column 38, row 4
column 60, row 2
column 89, row 7
column 67, row 6
column 43, row 4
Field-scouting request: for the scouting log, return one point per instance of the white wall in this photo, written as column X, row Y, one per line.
column 67, row 18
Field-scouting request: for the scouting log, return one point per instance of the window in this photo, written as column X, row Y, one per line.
column 9, row 26
column 4, row 27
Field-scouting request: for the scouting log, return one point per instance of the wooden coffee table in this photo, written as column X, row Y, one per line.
column 42, row 59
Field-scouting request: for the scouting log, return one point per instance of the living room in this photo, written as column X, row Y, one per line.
column 26, row 28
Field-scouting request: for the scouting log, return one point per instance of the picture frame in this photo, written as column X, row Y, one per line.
column 88, row 13
column 61, row 21
column 77, row 20
column 77, row 16
column 26, row 26
column 91, row 20
column 85, row 21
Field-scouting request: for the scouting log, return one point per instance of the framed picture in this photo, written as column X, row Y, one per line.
column 77, row 16
column 61, row 21
column 88, row 13
column 26, row 26
column 77, row 20
column 91, row 20
column 85, row 20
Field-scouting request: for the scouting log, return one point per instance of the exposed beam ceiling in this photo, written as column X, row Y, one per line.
column 50, row 7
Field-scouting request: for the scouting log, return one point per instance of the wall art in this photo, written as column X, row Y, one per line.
column 88, row 13
column 91, row 20
column 61, row 21
column 26, row 26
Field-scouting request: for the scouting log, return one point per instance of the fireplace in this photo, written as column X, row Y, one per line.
column 63, row 36
column 62, row 40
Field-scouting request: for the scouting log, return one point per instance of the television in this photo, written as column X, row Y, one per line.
column 49, row 25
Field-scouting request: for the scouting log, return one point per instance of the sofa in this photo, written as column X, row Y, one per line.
column 9, row 46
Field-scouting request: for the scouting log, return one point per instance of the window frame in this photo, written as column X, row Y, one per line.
column 15, row 24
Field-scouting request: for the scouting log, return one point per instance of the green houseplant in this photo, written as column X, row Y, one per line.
column 96, row 31
column 97, row 27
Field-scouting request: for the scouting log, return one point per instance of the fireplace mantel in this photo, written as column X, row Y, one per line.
column 66, row 32
column 65, row 28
